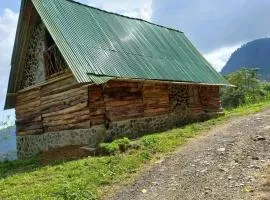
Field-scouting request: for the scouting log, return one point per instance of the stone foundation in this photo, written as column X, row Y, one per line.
column 30, row 145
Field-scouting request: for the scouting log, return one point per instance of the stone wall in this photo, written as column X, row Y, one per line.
column 34, row 65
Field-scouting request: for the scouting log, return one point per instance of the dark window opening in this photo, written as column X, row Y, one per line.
column 54, row 62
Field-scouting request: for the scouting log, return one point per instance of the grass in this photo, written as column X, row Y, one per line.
column 88, row 178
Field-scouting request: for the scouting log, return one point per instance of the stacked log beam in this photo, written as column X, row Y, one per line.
column 123, row 100
column 156, row 99
column 28, row 114
column 210, row 99
column 96, row 105
column 64, row 106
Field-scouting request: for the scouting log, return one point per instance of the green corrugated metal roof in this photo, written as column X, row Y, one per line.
column 99, row 46
column 96, row 42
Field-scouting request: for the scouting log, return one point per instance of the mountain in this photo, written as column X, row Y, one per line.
column 8, row 143
column 255, row 54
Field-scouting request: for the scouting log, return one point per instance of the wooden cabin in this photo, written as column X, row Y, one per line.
column 81, row 75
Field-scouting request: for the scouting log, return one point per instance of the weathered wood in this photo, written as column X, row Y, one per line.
column 71, row 109
column 75, row 120
column 123, row 100
column 30, row 132
column 28, row 106
column 156, row 99
column 26, row 120
column 82, row 125
column 55, row 86
column 58, row 105
column 29, row 127
column 66, row 116
column 96, row 105
column 78, row 91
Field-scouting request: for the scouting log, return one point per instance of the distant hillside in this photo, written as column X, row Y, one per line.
column 8, row 143
column 255, row 54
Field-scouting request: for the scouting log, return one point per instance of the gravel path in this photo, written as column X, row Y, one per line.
column 224, row 164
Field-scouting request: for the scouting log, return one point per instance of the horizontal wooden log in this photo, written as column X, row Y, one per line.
column 52, row 106
column 75, row 120
column 124, row 103
column 82, row 90
column 26, row 120
column 68, row 110
column 97, row 111
column 30, row 127
column 28, row 106
column 82, row 125
column 33, row 91
column 65, row 106
column 66, row 116
column 22, row 101
column 28, row 114
column 30, row 132
column 69, row 81
column 118, row 84
column 97, row 119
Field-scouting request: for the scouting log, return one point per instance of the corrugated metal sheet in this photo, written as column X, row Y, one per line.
column 95, row 42
column 99, row 46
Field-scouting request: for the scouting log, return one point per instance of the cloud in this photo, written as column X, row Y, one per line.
column 139, row 8
column 212, row 24
column 219, row 57
column 8, row 24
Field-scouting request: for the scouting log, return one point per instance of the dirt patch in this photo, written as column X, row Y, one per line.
column 67, row 153
column 222, row 165
column 264, row 189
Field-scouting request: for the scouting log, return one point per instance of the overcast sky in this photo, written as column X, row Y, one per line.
column 216, row 27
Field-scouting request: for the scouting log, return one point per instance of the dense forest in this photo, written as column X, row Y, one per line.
column 255, row 54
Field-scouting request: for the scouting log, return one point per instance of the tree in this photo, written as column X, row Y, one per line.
column 248, row 88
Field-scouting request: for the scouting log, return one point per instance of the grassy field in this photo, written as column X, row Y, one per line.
column 89, row 178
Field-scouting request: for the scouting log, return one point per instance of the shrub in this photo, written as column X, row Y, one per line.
column 249, row 89
column 124, row 144
column 109, row 148
column 118, row 145
column 149, row 142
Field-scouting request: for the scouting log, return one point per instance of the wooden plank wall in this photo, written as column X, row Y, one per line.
column 60, row 105
column 210, row 99
column 96, row 105
column 155, row 99
column 64, row 106
column 123, row 100
column 28, row 114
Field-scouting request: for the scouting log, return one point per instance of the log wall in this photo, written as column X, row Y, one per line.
column 96, row 105
column 28, row 113
column 64, row 106
column 155, row 99
column 60, row 105
column 123, row 100
column 67, row 105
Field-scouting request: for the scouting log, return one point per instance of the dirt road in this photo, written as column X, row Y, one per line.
column 227, row 163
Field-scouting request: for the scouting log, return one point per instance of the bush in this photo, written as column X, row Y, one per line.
column 118, row 145
column 249, row 89
column 124, row 144
column 109, row 148
column 150, row 142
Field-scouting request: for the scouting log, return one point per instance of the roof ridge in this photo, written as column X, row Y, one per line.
column 133, row 18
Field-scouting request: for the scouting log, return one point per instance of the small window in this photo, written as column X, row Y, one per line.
column 54, row 62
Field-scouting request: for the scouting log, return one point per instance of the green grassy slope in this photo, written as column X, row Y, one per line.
column 89, row 178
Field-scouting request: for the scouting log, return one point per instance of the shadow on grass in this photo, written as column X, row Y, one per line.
column 10, row 168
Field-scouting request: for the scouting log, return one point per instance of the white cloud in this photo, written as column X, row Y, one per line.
column 139, row 8
column 219, row 57
column 8, row 24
